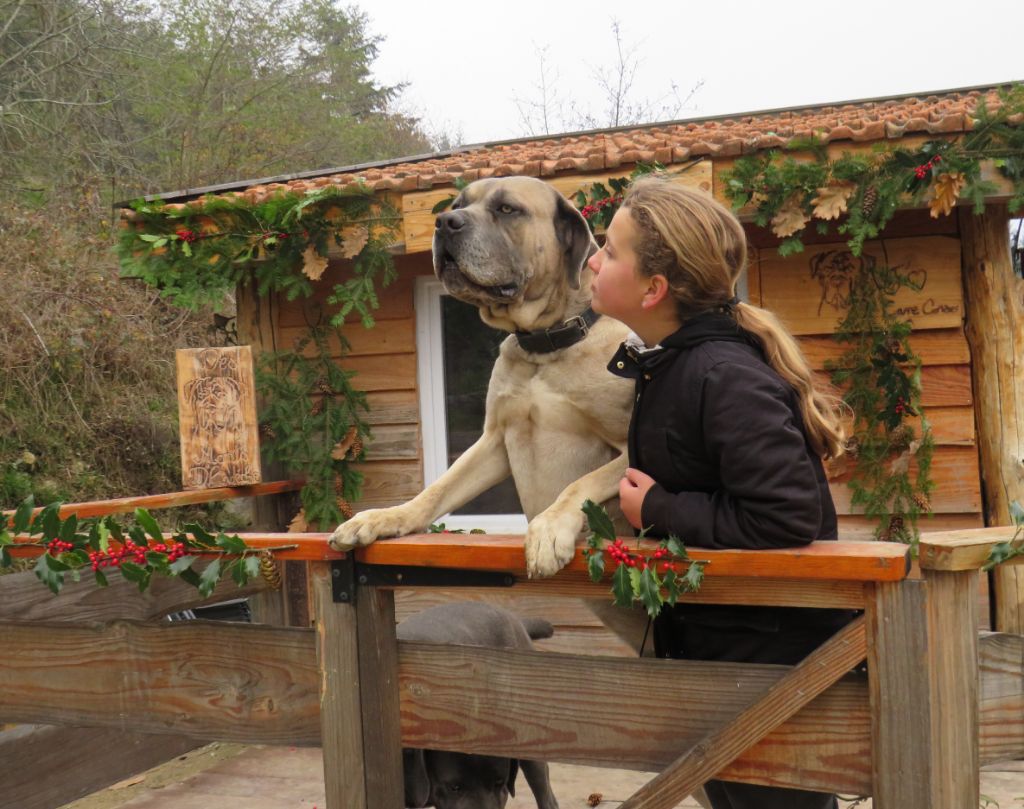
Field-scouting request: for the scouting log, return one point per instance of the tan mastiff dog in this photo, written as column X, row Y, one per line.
column 556, row 420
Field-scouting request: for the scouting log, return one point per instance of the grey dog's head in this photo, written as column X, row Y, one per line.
column 512, row 245
column 457, row 780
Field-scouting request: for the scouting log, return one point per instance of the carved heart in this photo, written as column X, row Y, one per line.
column 918, row 278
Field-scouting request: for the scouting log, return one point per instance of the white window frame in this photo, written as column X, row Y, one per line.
column 433, row 420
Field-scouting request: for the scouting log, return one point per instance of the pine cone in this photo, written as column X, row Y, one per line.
column 317, row 408
column 322, row 386
column 268, row 431
column 853, row 447
column 268, row 569
column 922, row 502
column 896, row 524
column 357, row 448
column 899, row 438
column 867, row 205
column 339, row 484
column 345, row 507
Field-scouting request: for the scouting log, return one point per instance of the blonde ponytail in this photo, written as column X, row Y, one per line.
column 701, row 248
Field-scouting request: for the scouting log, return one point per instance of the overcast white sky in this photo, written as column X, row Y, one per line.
column 467, row 63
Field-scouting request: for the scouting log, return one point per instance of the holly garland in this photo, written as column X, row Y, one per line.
column 866, row 189
column 71, row 547
column 1012, row 548
column 197, row 252
column 652, row 580
column 881, row 377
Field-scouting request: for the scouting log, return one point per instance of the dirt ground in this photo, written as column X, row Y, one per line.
column 234, row 776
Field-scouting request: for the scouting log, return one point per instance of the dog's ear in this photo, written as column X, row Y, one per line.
column 513, row 771
column 574, row 236
column 417, row 780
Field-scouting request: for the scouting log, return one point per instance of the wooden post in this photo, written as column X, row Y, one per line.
column 357, row 652
column 256, row 321
column 994, row 301
column 923, row 692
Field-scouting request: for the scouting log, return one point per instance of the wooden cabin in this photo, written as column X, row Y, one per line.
column 426, row 362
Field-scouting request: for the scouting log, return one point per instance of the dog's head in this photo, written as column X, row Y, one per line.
column 834, row 271
column 457, row 780
column 515, row 248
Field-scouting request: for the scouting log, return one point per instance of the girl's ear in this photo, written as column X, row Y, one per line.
column 657, row 290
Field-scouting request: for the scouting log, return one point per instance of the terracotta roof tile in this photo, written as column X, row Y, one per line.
column 939, row 113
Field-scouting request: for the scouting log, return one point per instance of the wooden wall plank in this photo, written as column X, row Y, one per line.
column 418, row 219
column 383, row 372
column 46, row 766
column 941, row 385
column 954, row 473
column 933, row 346
column 809, row 291
column 388, row 483
column 22, row 598
column 387, row 336
column 392, row 442
column 858, row 527
column 393, row 407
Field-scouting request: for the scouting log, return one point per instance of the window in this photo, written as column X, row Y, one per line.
column 1017, row 246
column 455, row 354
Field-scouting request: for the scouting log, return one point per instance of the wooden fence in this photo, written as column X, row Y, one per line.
column 936, row 704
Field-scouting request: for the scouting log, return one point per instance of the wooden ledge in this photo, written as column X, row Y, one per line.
column 819, row 561
column 836, row 561
column 963, row 550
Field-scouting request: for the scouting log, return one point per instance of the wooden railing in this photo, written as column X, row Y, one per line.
column 935, row 704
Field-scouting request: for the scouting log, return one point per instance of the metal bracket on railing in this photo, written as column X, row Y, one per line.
column 347, row 575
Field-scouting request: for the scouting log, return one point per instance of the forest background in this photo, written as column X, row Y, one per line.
column 105, row 100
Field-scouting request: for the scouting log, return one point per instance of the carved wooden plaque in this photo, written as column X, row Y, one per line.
column 217, row 417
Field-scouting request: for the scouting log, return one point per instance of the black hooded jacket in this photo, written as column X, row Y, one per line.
column 722, row 434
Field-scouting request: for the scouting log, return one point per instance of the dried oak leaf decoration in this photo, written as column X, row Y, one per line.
column 353, row 240
column 313, row 264
column 298, row 525
column 945, row 193
column 790, row 219
column 830, row 202
column 342, row 447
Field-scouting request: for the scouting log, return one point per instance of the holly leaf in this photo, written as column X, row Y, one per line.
column 676, row 547
column 598, row 521
column 650, row 592
column 5, row 556
column 671, row 587
column 231, row 544
column 47, row 521
column 51, row 572
column 208, row 578
column 69, row 527
column 595, row 565
column 252, row 566
column 239, row 572
column 101, row 580
column 135, row 573
column 199, row 534
column 442, row 205
column 693, row 577
column 622, row 590
column 1017, row 513
column 179, row 566
column 146, row 520
column 23, row 516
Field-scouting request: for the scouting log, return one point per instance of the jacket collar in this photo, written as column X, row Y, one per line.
column 702, row 328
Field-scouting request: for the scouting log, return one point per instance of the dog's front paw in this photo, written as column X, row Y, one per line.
column 370, row 525
column 551, row 541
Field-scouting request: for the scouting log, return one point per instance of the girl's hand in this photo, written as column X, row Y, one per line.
column 632, row 489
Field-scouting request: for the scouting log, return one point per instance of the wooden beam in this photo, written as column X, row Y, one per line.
column 801, row 684
column 923, row 690
column 46, row 766
column 126, row 505
column 962, row 550
column 24, row 598
column 994, row 325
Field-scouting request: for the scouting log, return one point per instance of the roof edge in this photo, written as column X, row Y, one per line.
column 187, row 194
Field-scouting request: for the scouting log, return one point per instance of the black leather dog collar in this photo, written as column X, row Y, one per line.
column 544, row 341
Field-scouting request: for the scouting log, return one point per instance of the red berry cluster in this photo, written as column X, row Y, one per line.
column 922, row 171
column 188, row 235
column 901, row 406
column 137, row 554
column 272, row 235
column 58, row 546
column 589, row 210
column 617, row 551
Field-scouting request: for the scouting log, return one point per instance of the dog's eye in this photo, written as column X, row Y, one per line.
column 506, row 208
